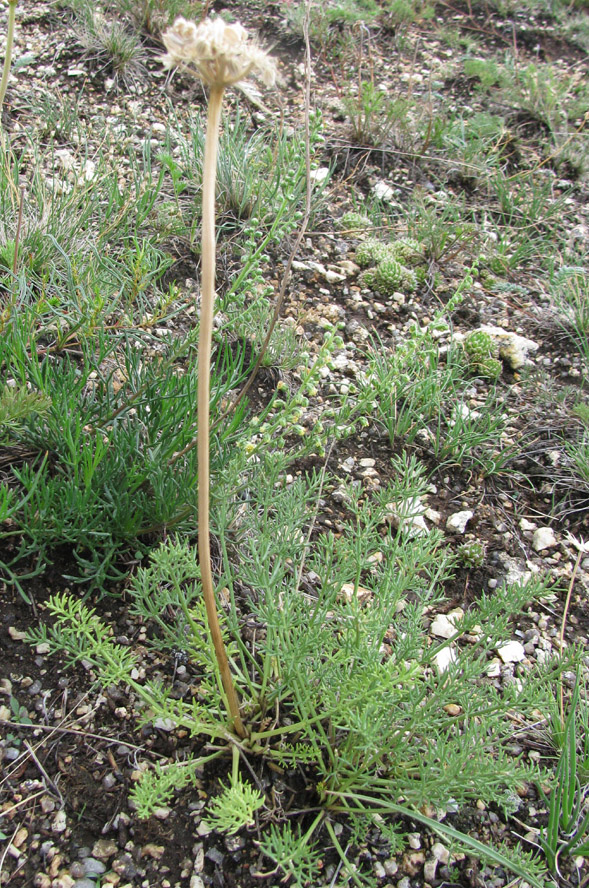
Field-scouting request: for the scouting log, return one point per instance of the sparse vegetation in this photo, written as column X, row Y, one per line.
column 393, row 553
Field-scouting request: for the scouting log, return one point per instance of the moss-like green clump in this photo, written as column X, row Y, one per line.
column 407, row 250
column 472, row 553
column 389, row 276
column 371, row 252
column 389, row 265
column 354, row 222
column 482, row 355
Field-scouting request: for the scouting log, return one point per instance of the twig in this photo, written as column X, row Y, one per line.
column 6, row 811
column 53, row 786
column 8, row 845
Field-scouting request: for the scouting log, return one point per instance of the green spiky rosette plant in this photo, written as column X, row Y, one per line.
column 341, row 680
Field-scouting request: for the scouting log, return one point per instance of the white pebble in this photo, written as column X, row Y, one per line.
column 457, row 522
column 512, row 652
column 544, row 539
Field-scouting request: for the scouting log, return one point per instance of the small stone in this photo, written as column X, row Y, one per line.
column 404, row 882
column 16, row 634
column 414, row 841
column 164, row 724
column 196, row 881
column 453, row 709
column 494, row 668
column 93, row 867
column 457, row 522
column 440, row 852
column 544, row 539
column 108, row 781
column 154, row 851
column 444, row 625
column 84, row 883
column 350, row 593
column 20, row 837
column 43, row 648
column 429, row 870
column 444, row 658
column 526, row 525
column 382, row 191
column 162, row 813
column 42, row 880
column 59, row 822
column 512, row 652
column 125, row 866
column 104, row 848
column 320, row 175
column 379, row 870
column 513, row 348
column 391, row 867
column 334, row 277
column 47, row 804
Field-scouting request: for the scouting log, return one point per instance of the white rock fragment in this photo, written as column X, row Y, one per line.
column 319, row 176
column 382, row 191
column 407, row 516
column 457, row 522
column 347, row 267
column 59, row 822
column 464, row 413
column 88, row 170
column 526, row 525
column 513, row 348
column 66, row 158
column 494, row 668
column 544, row 539
column 440, row 852
column 334, row 277
column 164, row 724
column 444, row 658
column 16, row 634
column 444, row 625
column 429, row 870
column 512, row 652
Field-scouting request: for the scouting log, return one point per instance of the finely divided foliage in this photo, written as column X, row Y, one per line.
column 248, row 530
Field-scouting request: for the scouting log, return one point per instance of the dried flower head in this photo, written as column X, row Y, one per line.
column 219, row 53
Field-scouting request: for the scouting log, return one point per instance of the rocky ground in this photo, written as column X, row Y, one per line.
column 69, row 750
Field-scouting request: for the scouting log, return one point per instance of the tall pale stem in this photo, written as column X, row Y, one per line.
column 204, row 370
column 8, row 56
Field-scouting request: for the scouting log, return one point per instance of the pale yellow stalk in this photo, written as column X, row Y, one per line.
column 8, row 56
column 221, row 55
column 207, row 310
